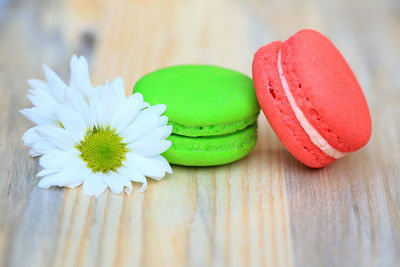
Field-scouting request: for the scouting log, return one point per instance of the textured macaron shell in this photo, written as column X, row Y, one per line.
column 326, row 90
column 212, row 150
column 278, row 111
column 202, row 100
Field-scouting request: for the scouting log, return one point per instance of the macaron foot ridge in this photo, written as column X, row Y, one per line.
column 215, row 129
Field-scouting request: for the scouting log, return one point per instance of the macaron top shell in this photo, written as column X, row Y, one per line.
column 326, row 90
column 202, row 97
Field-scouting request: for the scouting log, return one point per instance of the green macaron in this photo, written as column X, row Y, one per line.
column 213, row 112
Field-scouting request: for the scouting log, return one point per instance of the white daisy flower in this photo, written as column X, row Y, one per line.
column 46, row 97
column 102, row 139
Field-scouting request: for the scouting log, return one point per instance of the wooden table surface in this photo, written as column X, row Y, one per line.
column 264, row 210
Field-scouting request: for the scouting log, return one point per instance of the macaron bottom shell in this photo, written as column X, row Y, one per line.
column 211, row 150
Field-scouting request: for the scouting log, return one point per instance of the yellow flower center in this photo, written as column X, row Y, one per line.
column 102, row 150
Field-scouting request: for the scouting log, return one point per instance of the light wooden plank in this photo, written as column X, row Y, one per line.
column 265, row 210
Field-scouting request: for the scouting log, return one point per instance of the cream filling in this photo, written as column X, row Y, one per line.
column 314, row 135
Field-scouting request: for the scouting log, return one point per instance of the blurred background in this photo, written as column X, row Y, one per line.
column 144, row 35
column 348, row 217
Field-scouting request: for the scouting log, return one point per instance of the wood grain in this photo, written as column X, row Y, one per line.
column 264, row 210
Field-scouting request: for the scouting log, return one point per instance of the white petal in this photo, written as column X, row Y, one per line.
column 162, row 121
column 76, row 100
column 41, row 98
column 30, row 137
column 46, row 172
column 74, row 174
column 145, row 105
column 149, row 149
column 151, row 167
column 160, row 133
column 93, row 185
column 128, row 187
column 39, row 85
column 99, row 91
column 127, row 112
column 92, row 113
column 144, row 187
column 57, row 179
column 34, row 153
column 138, row 128
column 42, row 147
column 70, row 176
column 56, row 85
column 106, row 106
column 119, row 89
column 39, row 115
column 59, row 159
column 116, row 182
column 165, row 163
column 75, row 185
column 57, row 136
column 80, row 74
column 70, row 182
column 132, row 174
column 49, row 180
column 72, row 121
column 155, row 110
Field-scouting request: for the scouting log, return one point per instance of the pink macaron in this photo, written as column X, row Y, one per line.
column 311, row 98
